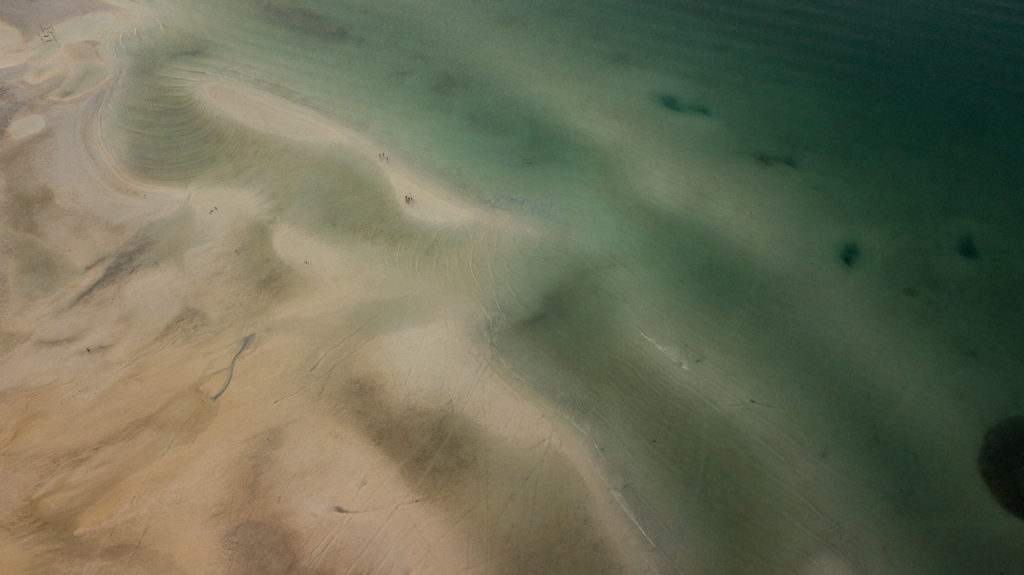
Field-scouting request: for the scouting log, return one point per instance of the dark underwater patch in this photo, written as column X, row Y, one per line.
column 966, row 247
column 670, row 102
column 296, row 17
column 1001, row 464
column 849, row 254
column 768, row 160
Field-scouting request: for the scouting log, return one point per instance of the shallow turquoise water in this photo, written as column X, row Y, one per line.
column 783, row 294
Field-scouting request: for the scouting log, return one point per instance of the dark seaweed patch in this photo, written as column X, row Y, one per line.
column 9, row 106
column 305, row 21
column 22, row 207
column 447, row 84
column 849, row 254
column 544, row 524
column 670, row 102
column 436, row 447
column 124, row 264
column 966, row 247
column 1001, row 463
column 769, row 160
column 257, row 547
column 153, row 244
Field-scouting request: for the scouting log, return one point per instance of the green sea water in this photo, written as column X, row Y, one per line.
column 779, row 279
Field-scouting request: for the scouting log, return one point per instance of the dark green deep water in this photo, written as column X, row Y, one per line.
column 784, row 294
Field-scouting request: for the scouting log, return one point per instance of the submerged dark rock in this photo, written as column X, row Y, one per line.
column 1001, row 463
column 849, row 254
column 670, row 102
column 966, row 247
column 769, row 160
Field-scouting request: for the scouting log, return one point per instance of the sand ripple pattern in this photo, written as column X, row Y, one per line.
column 579, row 287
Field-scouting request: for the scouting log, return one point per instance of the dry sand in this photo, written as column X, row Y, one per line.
column 192, row 385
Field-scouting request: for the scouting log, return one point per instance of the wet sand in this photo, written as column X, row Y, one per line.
column 365, row 427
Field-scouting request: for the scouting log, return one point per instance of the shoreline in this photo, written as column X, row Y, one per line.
column 269, row 113
column 134, row 332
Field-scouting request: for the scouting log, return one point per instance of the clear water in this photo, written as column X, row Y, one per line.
column 779, row 279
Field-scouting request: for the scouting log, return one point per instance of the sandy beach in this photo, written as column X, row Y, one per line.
column 311, row 287
column 193, row 387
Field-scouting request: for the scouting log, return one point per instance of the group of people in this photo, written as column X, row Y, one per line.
column 383, row 156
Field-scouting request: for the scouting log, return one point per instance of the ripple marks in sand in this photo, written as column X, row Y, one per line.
column 158, row 128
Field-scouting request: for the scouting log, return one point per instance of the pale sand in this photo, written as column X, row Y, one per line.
column 345, row 442
column 275, row 115
column 26, row 126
